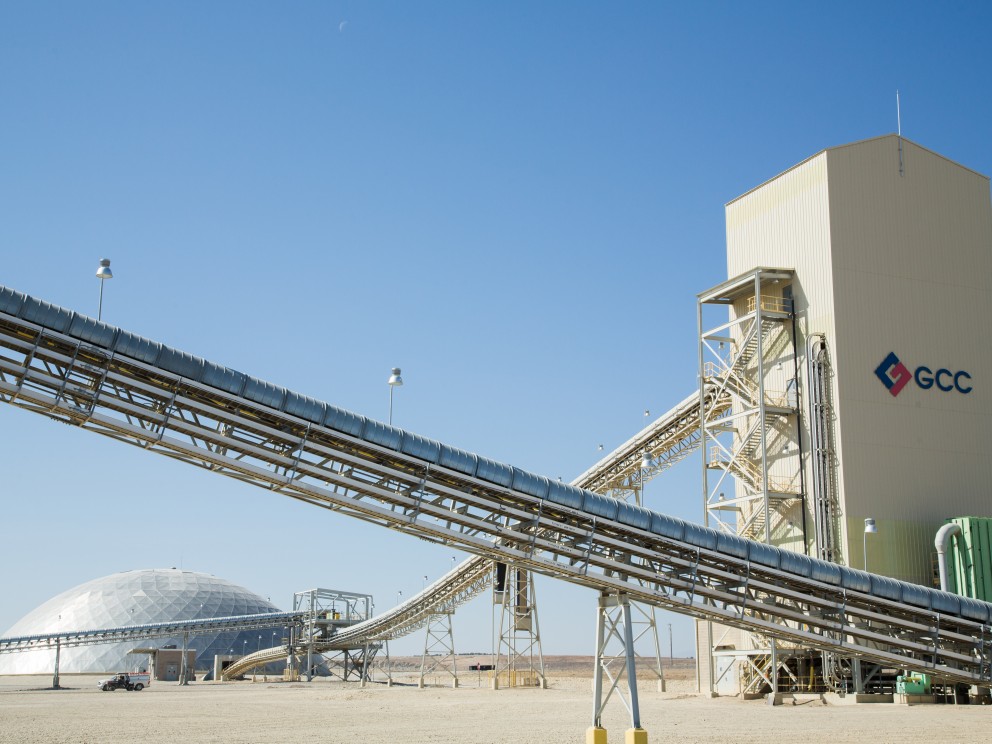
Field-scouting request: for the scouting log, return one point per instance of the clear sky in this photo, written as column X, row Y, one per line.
column 516, row 203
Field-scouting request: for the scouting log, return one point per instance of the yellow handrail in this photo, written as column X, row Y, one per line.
column 771, row 304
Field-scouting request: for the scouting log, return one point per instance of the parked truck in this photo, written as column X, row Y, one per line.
column 136, row 681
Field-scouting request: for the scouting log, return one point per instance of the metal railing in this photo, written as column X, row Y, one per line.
column 63, row 377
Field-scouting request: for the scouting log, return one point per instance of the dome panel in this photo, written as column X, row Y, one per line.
column 134, row 598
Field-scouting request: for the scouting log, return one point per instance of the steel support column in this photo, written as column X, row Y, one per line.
column 439, row 647
column 613, row 624
column 183, row 663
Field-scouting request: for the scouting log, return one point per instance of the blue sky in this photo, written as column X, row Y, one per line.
column 516, row 203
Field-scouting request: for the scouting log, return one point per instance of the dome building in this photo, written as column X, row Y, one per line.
column 135, row 598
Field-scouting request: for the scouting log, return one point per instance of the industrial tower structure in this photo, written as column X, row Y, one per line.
column 845, row 339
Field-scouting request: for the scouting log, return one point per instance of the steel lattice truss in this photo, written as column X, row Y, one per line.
column 67, row 639
column 62, row 377
column 668, row 440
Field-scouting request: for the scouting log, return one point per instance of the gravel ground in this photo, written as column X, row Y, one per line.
column 334, row 711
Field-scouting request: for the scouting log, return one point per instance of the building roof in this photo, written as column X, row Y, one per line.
column 858, row 143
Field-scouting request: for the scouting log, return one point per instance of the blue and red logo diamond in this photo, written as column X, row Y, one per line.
column 893, row 374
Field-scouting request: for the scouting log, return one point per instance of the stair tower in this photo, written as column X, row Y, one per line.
column 752, row 469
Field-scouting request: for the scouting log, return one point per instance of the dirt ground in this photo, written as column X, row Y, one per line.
column 334, row 711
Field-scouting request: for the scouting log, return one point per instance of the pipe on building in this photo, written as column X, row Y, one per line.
column 820, row 453
column 941, row 542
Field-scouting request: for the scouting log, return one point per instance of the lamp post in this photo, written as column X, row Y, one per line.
column 870, row 529
column 671, row 651
column 103, row 273
column 395, row 381
column 646, row 462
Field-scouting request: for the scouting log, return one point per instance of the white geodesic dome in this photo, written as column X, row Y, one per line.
column 155, row 595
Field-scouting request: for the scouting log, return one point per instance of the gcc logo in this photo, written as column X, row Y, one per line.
column 895, row 376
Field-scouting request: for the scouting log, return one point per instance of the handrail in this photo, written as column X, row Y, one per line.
column 494, row 511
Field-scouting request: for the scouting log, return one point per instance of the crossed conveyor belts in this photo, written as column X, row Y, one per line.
column 102, row 378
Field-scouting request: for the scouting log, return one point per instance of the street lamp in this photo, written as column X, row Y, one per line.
column 103, row 273
column 646, row 463
column 870, row 529
column 399, row 596
column 395, row 381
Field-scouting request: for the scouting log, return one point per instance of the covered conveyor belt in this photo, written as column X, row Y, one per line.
column 458, row 586
column 75, row 369
column 89, row 637
column 667, row 439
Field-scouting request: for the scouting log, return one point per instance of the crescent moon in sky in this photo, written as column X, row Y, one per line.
column 342, row 25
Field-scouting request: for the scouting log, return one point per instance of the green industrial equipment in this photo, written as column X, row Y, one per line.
column 969, row 563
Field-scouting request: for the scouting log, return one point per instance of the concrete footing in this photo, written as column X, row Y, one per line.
column 595, row 735
column 834, row 698
column 635, row 736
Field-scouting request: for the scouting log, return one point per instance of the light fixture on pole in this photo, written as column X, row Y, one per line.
column 103, row 273
column 870, row 529
column 646, row 463
column 395, row 381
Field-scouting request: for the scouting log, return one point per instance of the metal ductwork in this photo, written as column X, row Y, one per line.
column 941, row 542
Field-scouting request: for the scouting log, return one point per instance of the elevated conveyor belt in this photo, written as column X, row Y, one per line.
column 458, row 586
column 667, row 439
column 67, row 639
column 670, row 438
column 72, row 368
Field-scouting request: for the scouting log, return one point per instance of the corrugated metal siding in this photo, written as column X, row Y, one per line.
column 902, row 549
column 786, row 223
column 888, row 262
column 970, row 558
column 912, row 261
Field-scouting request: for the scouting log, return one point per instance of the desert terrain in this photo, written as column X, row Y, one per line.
column 330, row 710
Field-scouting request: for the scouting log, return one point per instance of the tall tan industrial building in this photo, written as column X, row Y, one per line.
column 862, row 380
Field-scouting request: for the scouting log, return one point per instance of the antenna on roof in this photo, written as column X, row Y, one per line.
column 899, row 130
column 898, row 115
